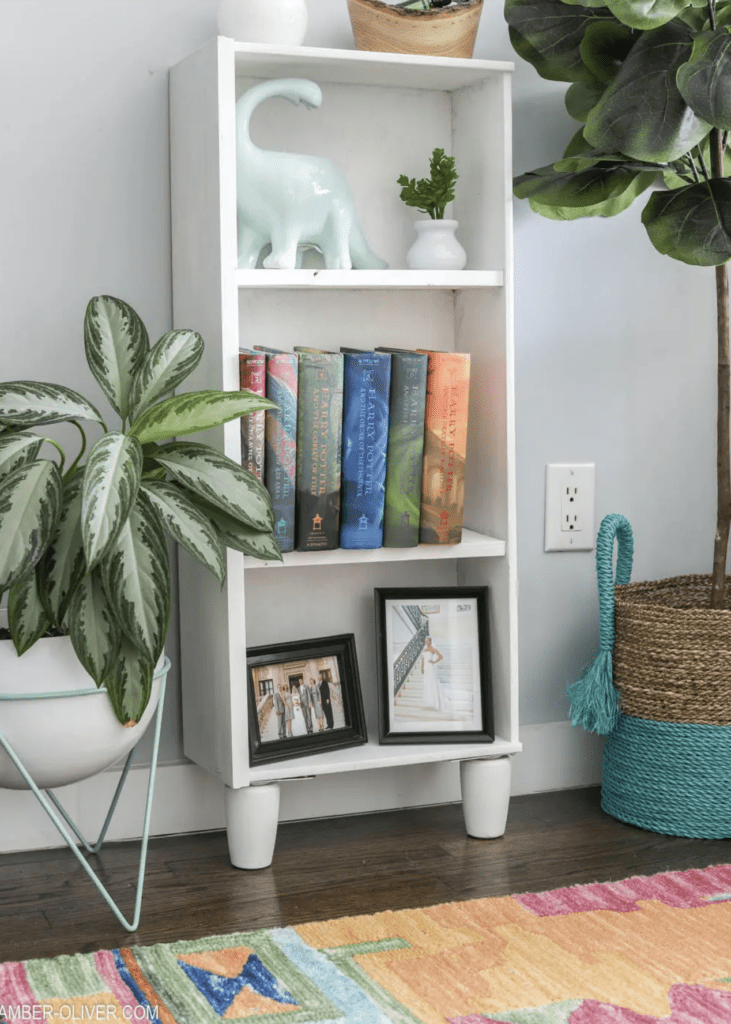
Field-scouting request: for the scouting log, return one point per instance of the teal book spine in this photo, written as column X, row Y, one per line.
column 405, row 450
column 365, row 444
column 280, row 460
column 319, row 450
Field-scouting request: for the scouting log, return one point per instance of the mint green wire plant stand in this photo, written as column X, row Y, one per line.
column 61, row 818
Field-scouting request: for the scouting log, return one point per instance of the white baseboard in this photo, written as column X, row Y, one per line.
column 188, row 799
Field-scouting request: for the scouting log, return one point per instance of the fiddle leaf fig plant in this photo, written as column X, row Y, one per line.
column 83, row 547
column 650, row 85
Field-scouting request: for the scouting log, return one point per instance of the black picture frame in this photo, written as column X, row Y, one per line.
column 331, row 660
column 448, row 705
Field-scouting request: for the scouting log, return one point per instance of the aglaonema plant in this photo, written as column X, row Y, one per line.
column 650, row 83
column 83, row 548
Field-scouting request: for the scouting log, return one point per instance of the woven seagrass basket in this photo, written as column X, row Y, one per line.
column 450, row 32
column 667, row 758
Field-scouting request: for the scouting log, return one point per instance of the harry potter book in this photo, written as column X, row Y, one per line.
column 365, row 443
column 252, row 377
column 445, row 447
column 319, row 449
column 405, row 449
column 280, row 460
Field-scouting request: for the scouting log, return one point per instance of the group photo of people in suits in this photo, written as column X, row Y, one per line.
column 302, row 698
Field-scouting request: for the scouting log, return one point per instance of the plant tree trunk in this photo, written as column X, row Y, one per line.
column 723, row 456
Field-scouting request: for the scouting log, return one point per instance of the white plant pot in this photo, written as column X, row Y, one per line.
column 282, row 22
column 60, row 740
column 436, row 247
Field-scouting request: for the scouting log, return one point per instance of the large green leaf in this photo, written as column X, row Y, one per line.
column 29, row 403
column 111, row 482
column 136, row 577
column 187, row 525
column 63, row 566
column 95, row 633
column 195, row 411
column 642, row 113
column 18, row 450
column 608, row 208
column 237, row 535
column 548, row 34
column 27, row 617
column 705, row 81
column 604, row 48
column 219, row 481
column 129, row 683
column 692, row 224
column 116, row 343
column 582, row 97
column 30, row 503
column 646, row 14
column 166, row 365
column 568, row 188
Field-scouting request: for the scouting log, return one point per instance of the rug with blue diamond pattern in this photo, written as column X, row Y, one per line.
column 646, row 950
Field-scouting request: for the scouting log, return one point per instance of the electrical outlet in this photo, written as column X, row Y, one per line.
column 569, row 524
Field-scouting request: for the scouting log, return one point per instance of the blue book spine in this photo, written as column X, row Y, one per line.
column 365, row 444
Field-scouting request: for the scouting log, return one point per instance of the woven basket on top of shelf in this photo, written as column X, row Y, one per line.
column 449, row 32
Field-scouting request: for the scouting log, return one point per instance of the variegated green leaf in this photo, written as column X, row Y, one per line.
column 63, row 565
column 95, row 633
column 136, row 578
column 219, row 481
column 18, row 450
column 166, row 365
column 30, row 503
column 111, row 482
column 195, row 411
column 30, row 403
column 187, row 525
column 242, row 538
column 129, row 683
column 27, row 617
column 116, row 343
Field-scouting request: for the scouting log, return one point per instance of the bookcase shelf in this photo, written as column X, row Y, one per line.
column 380, row 280
column 473, row 545
column 371, row 755
column 381, row 116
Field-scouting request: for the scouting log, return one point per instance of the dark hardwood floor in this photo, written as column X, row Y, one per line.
column 324, row 869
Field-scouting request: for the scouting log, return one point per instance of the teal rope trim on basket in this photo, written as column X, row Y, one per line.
column 594, row 700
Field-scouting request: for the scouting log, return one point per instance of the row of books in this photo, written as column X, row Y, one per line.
column 366, row 449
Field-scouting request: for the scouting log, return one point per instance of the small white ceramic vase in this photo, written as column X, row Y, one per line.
column 282, row 22
column 436, row 247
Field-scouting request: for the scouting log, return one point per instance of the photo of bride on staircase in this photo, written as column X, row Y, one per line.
column 433, row 654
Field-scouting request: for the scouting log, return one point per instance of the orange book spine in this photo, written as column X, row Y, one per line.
column 445, row 447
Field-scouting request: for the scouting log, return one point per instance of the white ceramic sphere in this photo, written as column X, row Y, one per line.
column 281, row 22
column 60, row 740
column 436, row 247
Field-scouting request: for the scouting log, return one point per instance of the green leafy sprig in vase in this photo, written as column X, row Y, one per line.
column 436, row 247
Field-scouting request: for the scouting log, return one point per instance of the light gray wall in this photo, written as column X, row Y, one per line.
column 615, row 344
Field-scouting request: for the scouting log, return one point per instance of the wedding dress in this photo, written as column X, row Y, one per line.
column 432, row 694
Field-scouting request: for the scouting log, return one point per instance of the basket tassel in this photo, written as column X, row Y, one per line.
column 593, row 698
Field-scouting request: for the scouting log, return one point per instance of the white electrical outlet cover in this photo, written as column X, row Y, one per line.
column 569, row 517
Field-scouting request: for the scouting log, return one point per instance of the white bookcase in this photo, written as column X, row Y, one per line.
column 382, row 115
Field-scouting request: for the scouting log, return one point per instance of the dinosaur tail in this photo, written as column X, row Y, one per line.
column 296, row 90
column 360, row 252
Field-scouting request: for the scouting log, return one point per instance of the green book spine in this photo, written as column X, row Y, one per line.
column 319, row 450
column 405, row 450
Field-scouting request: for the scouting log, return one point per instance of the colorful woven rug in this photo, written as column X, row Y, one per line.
column 639, row 951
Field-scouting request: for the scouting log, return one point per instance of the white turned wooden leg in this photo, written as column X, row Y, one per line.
column 485, row 796
column 252, row 816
